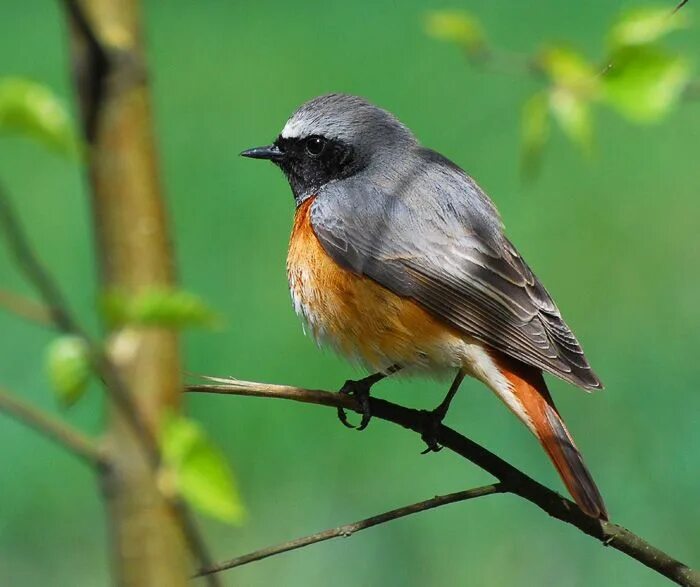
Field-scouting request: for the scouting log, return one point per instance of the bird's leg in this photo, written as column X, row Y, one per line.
column 434, row 418
column 360, row 391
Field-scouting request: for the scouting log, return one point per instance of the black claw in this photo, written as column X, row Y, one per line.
column 342, row 416
column 360, row 391
column 435, row 447
column 363, row 400
column 431, row 424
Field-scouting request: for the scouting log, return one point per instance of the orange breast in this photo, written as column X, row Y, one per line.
column 356, row 315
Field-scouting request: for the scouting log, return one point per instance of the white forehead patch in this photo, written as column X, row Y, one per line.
column 341, row 117
column 304, row 123
column 292, row 130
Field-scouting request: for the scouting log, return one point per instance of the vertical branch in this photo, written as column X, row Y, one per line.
column 133, row 253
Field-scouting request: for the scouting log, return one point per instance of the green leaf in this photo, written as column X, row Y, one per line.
column 534, row 131
column 30, row 109
column 645, row 82
column 170, row 308
column 573, row 114
column 565, row 67
column 645, row 25
column 456, row 26
column 200, row 471
column 575, row 85
column 68, row 366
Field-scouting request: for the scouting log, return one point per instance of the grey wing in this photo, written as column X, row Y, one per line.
column 436, row 238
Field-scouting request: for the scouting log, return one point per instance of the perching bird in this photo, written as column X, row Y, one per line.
column 398, row 259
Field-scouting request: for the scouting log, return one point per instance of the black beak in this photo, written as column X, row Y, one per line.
column 271, row 152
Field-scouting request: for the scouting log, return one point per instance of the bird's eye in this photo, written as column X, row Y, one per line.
column 315, row 146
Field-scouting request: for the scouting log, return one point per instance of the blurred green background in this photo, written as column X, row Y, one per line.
column 615, row 239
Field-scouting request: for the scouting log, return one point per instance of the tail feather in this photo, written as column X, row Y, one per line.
column 529, row 392
column 569, row 463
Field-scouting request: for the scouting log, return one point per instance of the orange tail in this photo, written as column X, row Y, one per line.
column 539, row 414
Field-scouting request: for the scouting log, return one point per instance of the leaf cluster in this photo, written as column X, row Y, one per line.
column 639, row 77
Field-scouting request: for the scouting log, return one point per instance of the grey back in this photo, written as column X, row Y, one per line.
column 418, row 225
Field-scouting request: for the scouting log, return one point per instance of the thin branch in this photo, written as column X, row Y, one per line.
column 348, row 530
column 82, row 23
column 27, row 261
column 25, row 308
column 94, row 64
column 29, row 264
column 32, row 269
column 62, row 319
column 514, row 480
column 60, row 432
column 501, row 61
column 680, row 5
column 194, row 538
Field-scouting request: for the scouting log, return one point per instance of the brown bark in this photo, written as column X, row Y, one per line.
column 134, row 253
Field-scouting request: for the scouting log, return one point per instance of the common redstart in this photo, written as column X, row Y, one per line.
column 399, row 260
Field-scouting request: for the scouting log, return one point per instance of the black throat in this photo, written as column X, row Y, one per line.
column 307, row 173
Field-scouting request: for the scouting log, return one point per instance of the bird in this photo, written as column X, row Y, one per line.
column 398, row 260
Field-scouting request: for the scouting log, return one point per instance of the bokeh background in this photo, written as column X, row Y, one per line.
column 614, row 238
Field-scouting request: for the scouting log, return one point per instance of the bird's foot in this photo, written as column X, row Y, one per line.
column 360, row 391
column 431, row 425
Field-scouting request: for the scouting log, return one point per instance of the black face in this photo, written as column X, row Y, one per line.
column 313, row 161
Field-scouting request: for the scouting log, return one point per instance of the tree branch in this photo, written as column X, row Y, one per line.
column 28, row 263
column 348, row 530
column 501, row 61
column 25, row 308
column 91, row 64
column 60, row 432
column 680, row 5
column 513, row 480
column 57, row 314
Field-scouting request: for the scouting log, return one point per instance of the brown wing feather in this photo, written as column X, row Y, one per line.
column 438, row 240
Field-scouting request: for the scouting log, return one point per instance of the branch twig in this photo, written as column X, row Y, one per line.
column 96, row 59
column 514, row 481
column 61, row 433
column 349, row 529
column 25, row 308
column 32, row 269
column 60, row 316
column 501, row 61
column 680, row 5
column 82, row 23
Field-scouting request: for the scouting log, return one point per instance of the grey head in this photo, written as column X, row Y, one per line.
column 418, row 225
column 333, row 137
